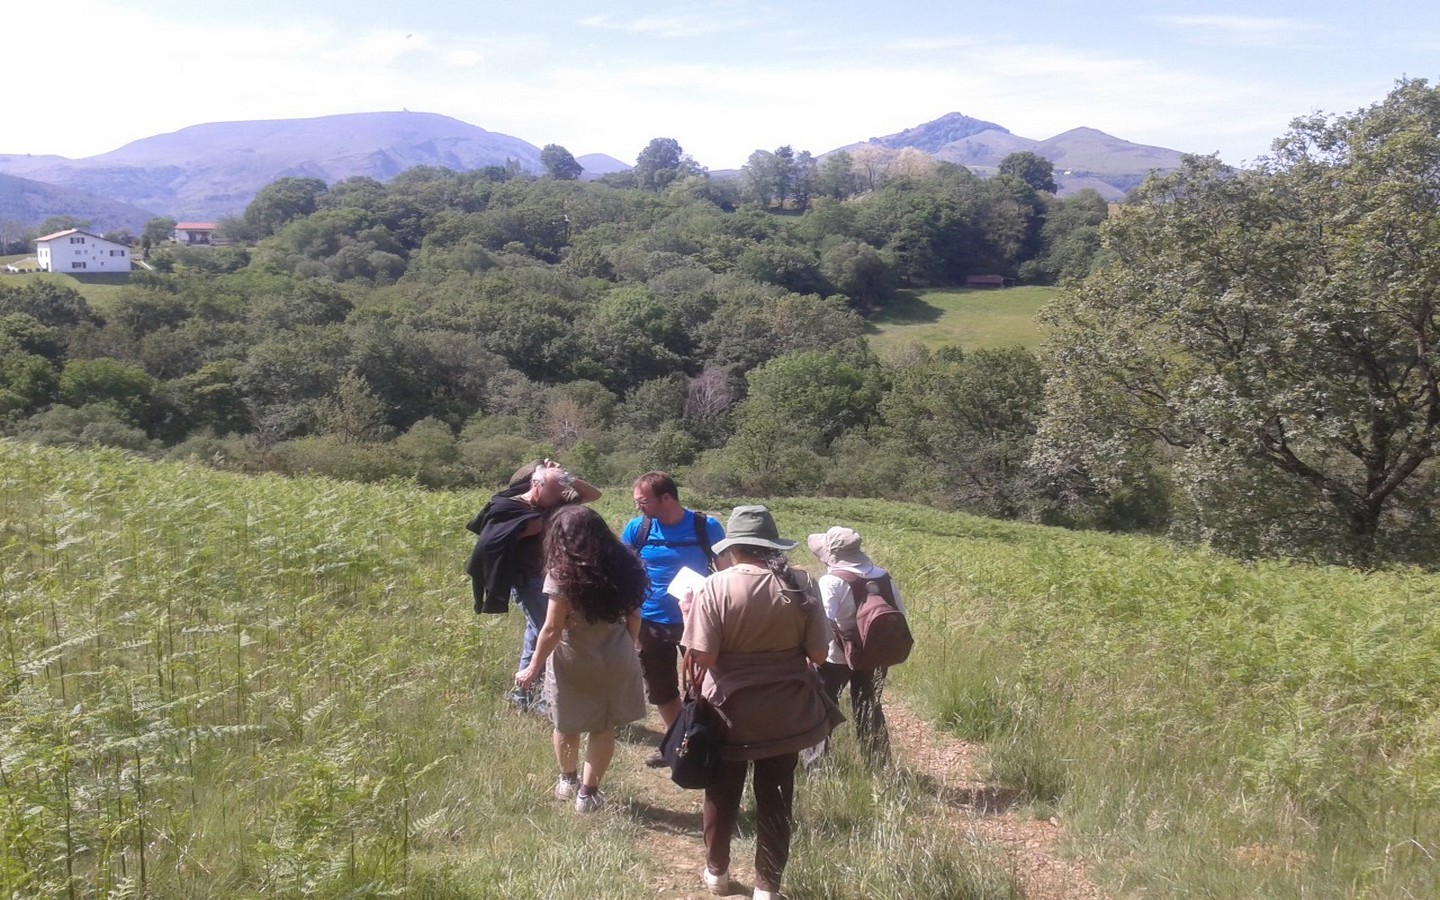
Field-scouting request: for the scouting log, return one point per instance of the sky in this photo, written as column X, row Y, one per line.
column 722, row 77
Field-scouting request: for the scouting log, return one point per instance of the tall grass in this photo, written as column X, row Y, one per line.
column 219, row 686
column 1207, row 728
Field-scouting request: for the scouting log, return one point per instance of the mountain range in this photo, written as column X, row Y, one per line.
column 208, row 171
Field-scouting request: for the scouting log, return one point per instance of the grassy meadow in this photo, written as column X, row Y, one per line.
column 221, row 686
column 968, row 318
column 97, row 288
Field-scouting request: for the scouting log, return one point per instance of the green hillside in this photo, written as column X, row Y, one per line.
column 230, row 686
column 970, row 319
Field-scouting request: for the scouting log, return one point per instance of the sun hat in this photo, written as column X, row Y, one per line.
column 753, row 526
column 838, row 546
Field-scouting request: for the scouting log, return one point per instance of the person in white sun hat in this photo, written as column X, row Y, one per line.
column 846, row 565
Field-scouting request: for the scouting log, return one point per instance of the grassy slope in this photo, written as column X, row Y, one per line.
column 970, row 319
column 96, row 289
column 285, row 678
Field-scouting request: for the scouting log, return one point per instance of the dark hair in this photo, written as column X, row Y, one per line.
column 601, row 577
column 658, row 484
column 778, row 564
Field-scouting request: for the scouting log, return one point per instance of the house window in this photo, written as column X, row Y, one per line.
column 77, row 265
column 117, row 252
column 77, row 240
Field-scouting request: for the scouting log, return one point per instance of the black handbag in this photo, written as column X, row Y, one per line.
column 691, row 746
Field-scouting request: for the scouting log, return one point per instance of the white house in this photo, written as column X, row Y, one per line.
column 194, row 232
column 79, row 252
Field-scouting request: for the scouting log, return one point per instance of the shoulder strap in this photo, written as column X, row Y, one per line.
column 642, row 533
column 859, row 586
column 702, row 535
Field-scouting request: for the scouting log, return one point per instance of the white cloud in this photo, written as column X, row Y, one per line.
column 1252, row 31
column 463, row 59
column 680, row 22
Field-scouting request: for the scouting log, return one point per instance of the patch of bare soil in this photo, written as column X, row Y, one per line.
column 985, row 813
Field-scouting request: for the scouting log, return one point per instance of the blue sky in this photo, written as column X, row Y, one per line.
column 723, row 78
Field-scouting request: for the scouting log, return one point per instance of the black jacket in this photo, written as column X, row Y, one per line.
column 491, row 566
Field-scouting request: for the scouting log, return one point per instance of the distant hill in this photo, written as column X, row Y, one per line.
column 1083, row 157
column 207, row 171
column 597, row 164
column 32, row 202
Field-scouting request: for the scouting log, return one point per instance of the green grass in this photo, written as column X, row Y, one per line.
column 224, row 686
column 219, row 686
column 97, row 289
column 970, row 319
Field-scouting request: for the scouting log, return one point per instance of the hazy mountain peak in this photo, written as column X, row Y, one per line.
column 933, row 135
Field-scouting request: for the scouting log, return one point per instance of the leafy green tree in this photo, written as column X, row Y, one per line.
column 159, row 230
column 970, row 421
column 353, row 413
column 29, row 370
column 127, row 390
column 1031, row 168
column 860, row 272
column 797, row 405
column 1069, row 238
column 282, row 201
column 1274, row 330
column 661, row 162
column 559, row 164
column 47, row 302
column 835, row 176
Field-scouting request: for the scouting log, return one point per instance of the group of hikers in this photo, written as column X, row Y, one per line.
column 610, row 624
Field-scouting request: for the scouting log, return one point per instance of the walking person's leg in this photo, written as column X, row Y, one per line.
column 720, row 812
column 774, row 802
column 865, row 690
column 533, row 603
column 567, row 757
column 659, row 658
column 599, row 750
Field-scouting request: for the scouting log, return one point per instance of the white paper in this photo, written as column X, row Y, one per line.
column 687, row 580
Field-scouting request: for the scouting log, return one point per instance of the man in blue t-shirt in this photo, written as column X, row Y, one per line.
column 672, row 539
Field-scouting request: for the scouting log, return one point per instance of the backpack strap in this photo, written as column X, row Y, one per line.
column 702, row 536
column 860, row 587
column 642, row 534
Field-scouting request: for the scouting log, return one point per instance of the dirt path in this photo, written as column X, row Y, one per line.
column 1027, row 847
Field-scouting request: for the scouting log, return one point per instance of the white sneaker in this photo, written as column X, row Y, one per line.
column 590, row 803
column 565, row 789
column 767, row 895
column 717, row 884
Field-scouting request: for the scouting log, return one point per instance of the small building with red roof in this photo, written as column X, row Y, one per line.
column 194, row 233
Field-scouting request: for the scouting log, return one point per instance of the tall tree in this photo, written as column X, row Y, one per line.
column 1276, row 330
column 1031, row 168
column 661, row 162
column 559, row 164
column 281, row 201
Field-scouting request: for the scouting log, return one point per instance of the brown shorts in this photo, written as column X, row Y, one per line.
column 659, row 660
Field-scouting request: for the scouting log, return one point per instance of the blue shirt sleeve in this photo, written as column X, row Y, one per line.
column 627, row 537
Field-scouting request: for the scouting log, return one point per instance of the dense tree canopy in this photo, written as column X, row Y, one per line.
column 1270, row 336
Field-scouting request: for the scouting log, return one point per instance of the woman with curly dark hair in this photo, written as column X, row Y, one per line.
column 595, row 586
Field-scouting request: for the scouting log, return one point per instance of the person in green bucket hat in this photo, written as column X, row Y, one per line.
column 757, row 630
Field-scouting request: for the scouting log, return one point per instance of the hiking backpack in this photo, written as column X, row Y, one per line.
column 882, row 636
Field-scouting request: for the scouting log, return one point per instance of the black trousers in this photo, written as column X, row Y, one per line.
column 774, row 800
column 866, row 687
